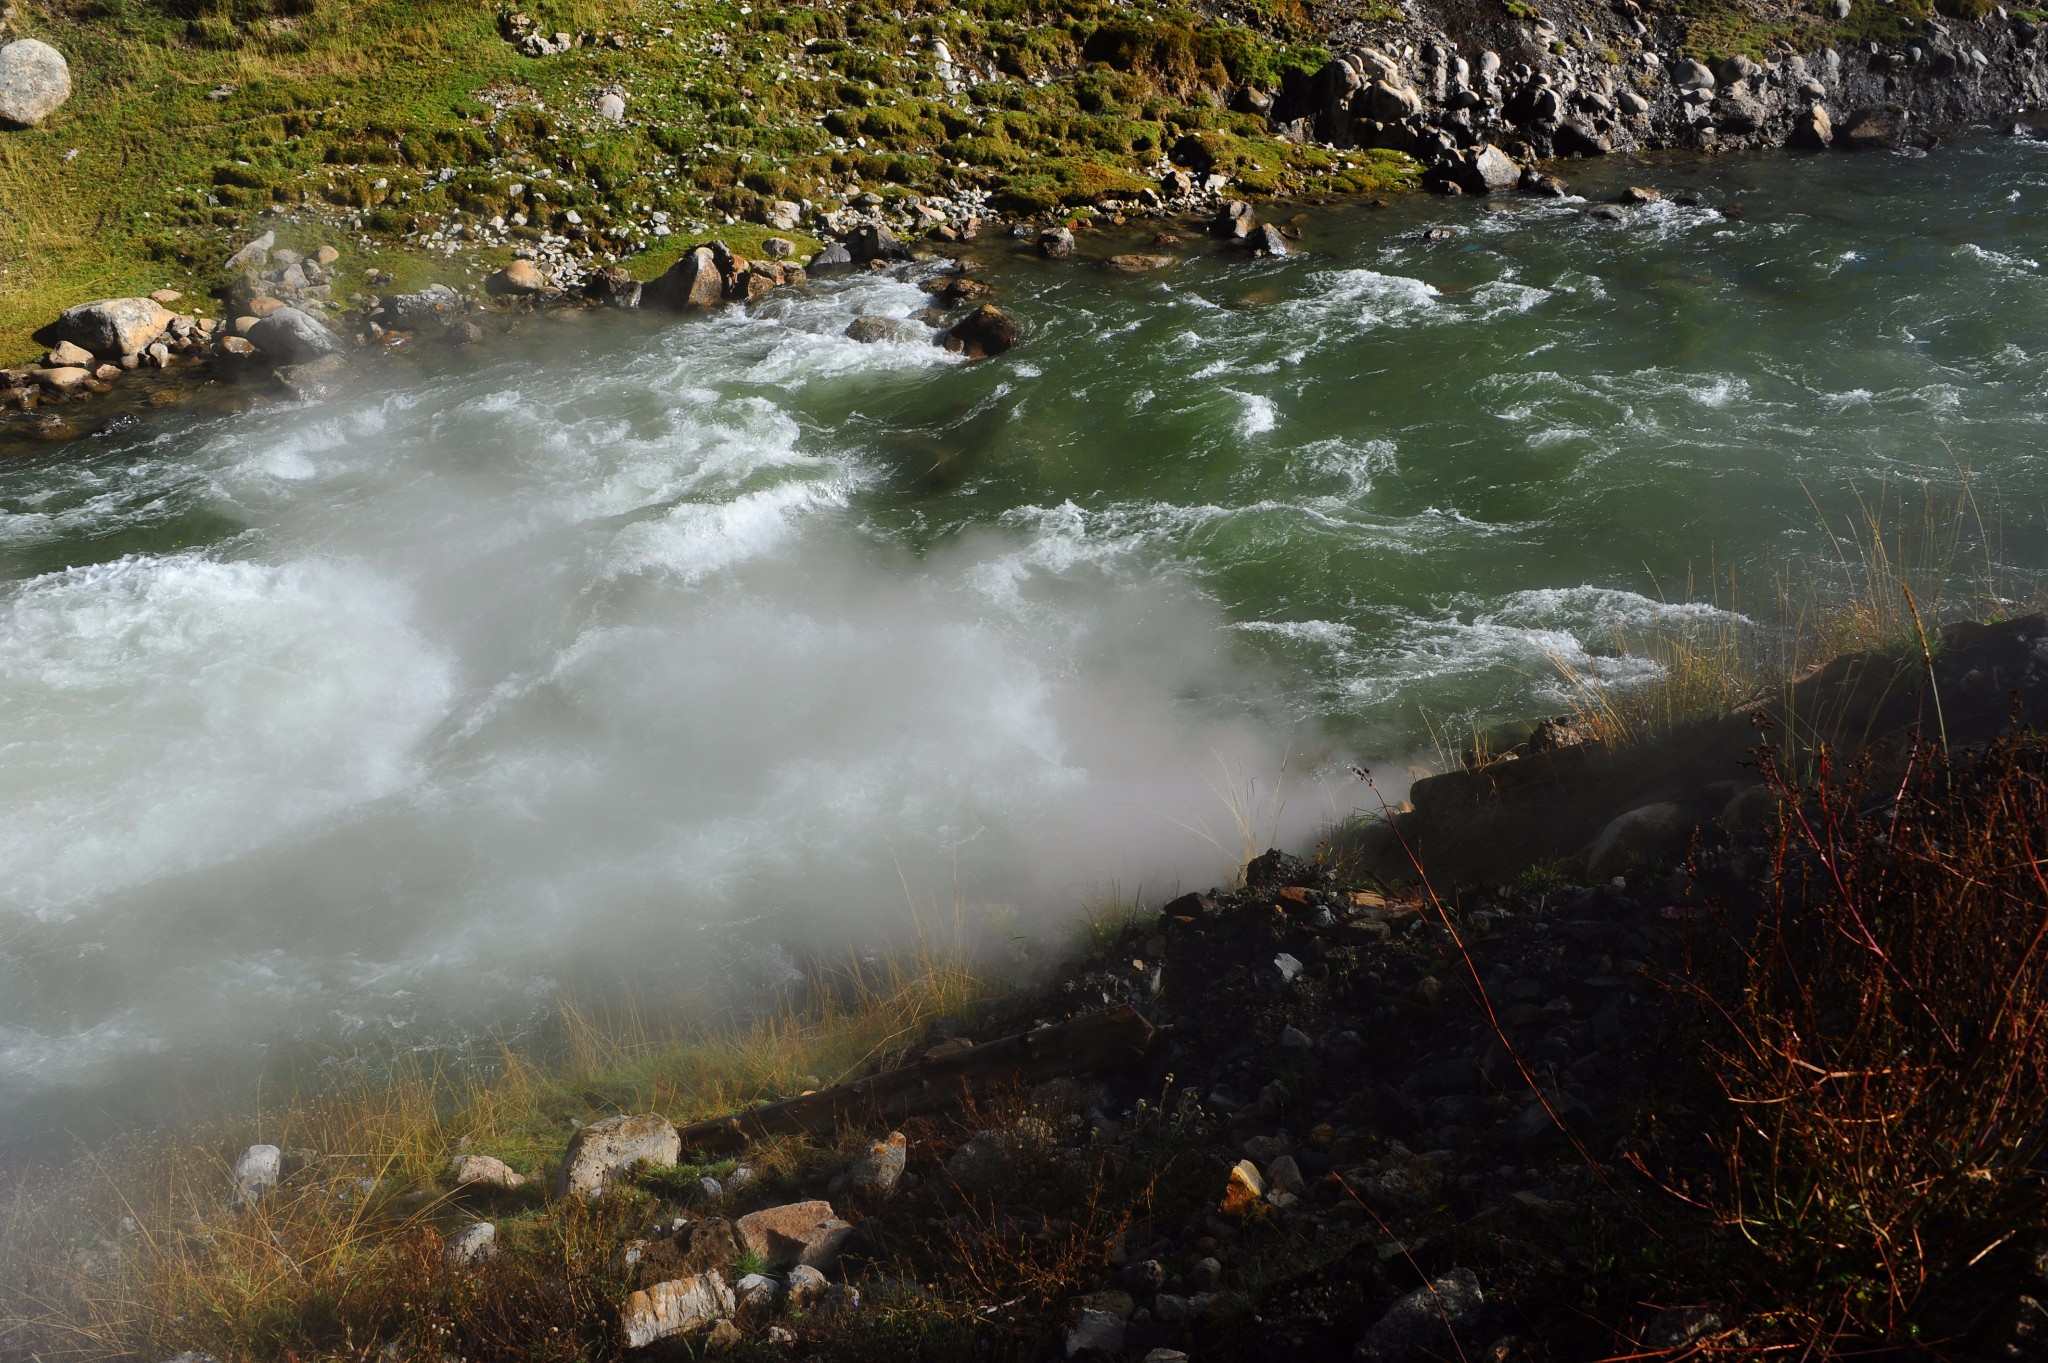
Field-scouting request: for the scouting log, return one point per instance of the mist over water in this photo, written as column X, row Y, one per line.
column 640, row 646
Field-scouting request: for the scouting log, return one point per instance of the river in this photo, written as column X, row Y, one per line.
column 640, row 648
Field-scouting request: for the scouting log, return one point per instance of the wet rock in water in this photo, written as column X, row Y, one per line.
column 1576, row 137
column 35, row 80
column 986, row 331
column 484, row 1171
column 1235, row 221
column 462, row 333
column 292, row 337
column 613, row 287
column 603, row 1150
column 69, row 378
column 316, row 380
column 258, row 1171
column 833, row 257
column 110, row 327
column 471, row 1245
column 797, row 1233
column 1096, row 1332
column 874, row 242
column 692, row 282
column 1267, row 241
column 961, row 289
column 674, row 1308
column 1535, row 181
column 431, row 306
column 1056, row 243
column 1870, row 130
column 1813, row 128
column 879, row 1168
column 1138, row 263
column 52, row 427
column 1491, row 171
column 871, row 330
column 1431, row 1322
column 1606, row 213
column 1637, row 196
column 520, row 278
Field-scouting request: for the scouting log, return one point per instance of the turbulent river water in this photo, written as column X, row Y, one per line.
column 634, row 639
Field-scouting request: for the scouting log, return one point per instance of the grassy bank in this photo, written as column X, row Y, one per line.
column 399, row 130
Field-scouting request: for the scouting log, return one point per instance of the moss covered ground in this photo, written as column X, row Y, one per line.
column 398, row 130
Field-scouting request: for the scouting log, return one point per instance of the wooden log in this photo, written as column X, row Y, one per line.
column 1091, row 1042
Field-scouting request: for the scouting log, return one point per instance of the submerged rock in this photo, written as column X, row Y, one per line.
column 986, row 331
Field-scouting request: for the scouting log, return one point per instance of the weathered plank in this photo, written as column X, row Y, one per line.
column 1092, row 1042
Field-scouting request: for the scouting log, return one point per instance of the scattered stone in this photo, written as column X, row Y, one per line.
column 110, row 327
column 1636, row 196
column 674, row 1308
column 520, row 278
column 806, row 1286
column 986, row 331
column 431, row 306
column 879, row 1168
column 1430, row 1322
column 65, row 378
column 471, row 1245
column 67, row 354
column 805, row 1233
column 1640, row 834
column 255, row 255
column 257, row 1172
column 1245, row 1189
column 605, row 1149
column 34, row 81
column 613, row 287
column 484, row 1171
column 1056, row 243
column 1096, row 1332
column 611, row 107
column 166, row 296
column 758, row 1292
column 1137, row 263
column 326, row 256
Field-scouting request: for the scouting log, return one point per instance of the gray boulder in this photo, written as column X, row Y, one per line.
column 603, row 1150
column 872, row 330
column 833, row 257
column 1691, row 75
column 258, row 1171
column 430, row 306
column 292, row 337
column 1430, row 1322
column 1056, row 243
column 110, row 328
column 1492, row 171
column 471, row 1245
column 879, row 1168
column 34, row 80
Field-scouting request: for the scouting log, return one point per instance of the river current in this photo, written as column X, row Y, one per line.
column 640, row 648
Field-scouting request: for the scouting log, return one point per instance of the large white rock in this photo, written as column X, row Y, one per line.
column 674, row 1308
column 603, row 1150
column 34, row 80
column 110, row 327
column 258, row 1171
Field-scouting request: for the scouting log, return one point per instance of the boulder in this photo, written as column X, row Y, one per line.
column 1137, row 263
column 605, row 1149
column 66, row 378
column 778, row 248
column 613, row 287
column 1492, row 171
column 1638, row 196
column 757, row 1292
column 315, row 380
column 1430, row 1322
column 110, row 327
column 1869, row 130
column 873, row 242
column 1267, row 241
column 521, row 277
column 257, row 1172
column 986, row 331
column 484, row 1171
column 65, row 353
column 1235, row 220
column 674, row 1308
column 807, row 1286
column 1056, row 243
column 833, row 257
column 1391, row 103
column 805, row 1233
column 34, row 81
column 1096, row 1332
column 982, row 1162
column 1647, row 832
column 879, row 1168
column 611, row 107
column 692, row 282
column 431, row 306
column 783, row 215
column 1813, row 128
column 291, row 337
column 1691, row 75
column 471, row 1245
column 254, row 255
column 872, row 330
column 1243, row 1190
